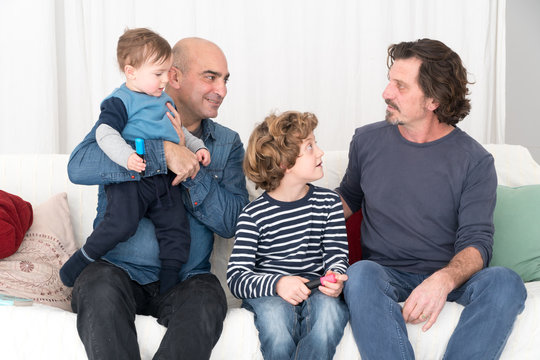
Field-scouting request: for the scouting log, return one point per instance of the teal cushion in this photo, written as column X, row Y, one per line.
column 516, row 242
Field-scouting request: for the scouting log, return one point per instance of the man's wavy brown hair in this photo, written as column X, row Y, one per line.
column 274, row 146
column 442, row 76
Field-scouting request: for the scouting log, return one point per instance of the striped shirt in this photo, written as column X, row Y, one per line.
column 304, row 238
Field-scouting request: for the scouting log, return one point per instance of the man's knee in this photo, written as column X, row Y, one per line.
column 504, row 285
column 99, row 284
column 200, row 297
column 362, row 275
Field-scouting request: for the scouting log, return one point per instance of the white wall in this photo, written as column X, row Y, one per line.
column 328, row 57
column 523, row 74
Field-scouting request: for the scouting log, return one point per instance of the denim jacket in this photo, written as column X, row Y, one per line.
column 213, row 199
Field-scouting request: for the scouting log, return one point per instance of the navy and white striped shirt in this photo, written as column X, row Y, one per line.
column 304, row 238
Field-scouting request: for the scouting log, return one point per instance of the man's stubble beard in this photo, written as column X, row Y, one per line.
column 392, row 120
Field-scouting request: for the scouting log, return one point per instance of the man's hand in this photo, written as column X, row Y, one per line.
column 425, row 303
column 181, row 161
column 176, row 122
column 427, row 300
column 333, row 289
column 292, row 289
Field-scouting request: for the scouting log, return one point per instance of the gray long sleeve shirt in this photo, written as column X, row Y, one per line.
column 422, row 203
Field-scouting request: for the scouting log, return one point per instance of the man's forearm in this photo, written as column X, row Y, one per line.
column 217, row 201
column 463, row 265
column 88, row 164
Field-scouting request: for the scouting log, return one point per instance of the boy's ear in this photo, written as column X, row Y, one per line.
column 284, row 168
column 175, row 77
column 130, row 72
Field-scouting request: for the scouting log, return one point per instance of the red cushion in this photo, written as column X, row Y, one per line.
column 353, row 236
column 15, row 218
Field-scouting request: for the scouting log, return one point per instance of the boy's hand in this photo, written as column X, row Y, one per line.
column 135, row 163
column 333, row 289
column 203, row 156
column 292, row 289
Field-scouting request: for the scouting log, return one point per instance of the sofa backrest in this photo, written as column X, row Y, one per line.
column 36, row 177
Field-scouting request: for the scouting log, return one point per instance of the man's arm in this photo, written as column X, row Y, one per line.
column 347, row 212
column 349, row 189
column 88, row 164
column 427, row 300
column 474, row 242
column 216, row 200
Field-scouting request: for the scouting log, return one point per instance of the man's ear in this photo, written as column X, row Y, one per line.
column 175, row 77
column 130, row 72
column 432, row 104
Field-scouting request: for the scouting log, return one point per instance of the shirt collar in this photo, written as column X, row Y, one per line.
column 208, row 129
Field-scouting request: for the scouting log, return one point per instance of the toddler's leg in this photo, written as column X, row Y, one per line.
column 172, row 232
column 124, row 210
column 73, row 267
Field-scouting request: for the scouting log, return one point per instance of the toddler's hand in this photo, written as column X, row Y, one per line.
column 333, row 289
column 135, row 163
column 203, row 156
column 292, row 289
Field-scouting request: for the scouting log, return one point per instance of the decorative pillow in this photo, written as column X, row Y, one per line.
column 15, row 219
column 32, row 272
column 353, row 236
column 517, row 230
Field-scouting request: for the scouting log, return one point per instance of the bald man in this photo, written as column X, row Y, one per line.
column 110, row 291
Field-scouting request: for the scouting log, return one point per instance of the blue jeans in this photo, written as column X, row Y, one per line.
column 492, row 298
column 310, row 330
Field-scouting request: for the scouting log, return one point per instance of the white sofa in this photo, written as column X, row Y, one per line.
column 45, row 332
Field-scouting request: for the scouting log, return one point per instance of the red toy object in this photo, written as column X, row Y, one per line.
column 315, row 283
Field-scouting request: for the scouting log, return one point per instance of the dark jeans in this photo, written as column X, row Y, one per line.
column 106, row 301
column 128, row 203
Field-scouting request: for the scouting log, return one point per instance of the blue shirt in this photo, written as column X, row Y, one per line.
column 144, row 116
column 422, row 202
column 213, row 199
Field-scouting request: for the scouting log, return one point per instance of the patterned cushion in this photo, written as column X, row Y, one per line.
column 32, row 272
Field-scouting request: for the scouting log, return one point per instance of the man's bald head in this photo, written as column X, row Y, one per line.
column 185, row 49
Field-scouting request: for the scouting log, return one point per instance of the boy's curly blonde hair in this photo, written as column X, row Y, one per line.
column 274, row 146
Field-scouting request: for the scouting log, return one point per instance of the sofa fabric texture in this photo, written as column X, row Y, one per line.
column 48, row 332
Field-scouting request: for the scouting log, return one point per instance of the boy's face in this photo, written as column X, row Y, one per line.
column 150, row 78
column 308, row 166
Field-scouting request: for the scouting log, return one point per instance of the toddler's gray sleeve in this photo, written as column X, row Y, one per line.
column 193, row 143
column 113, row 144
